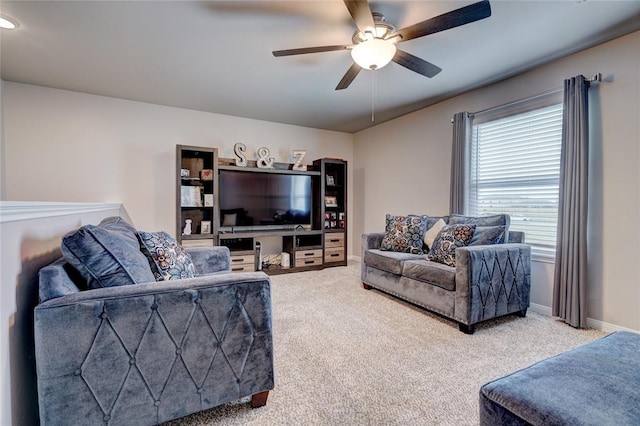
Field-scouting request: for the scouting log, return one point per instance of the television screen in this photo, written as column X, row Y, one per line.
column 253, row 199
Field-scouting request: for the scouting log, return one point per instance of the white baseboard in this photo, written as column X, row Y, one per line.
column 591, row 323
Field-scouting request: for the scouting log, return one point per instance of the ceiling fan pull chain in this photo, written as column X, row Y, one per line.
column 373, row 96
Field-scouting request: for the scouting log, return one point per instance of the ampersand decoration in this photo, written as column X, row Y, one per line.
column 264, row 161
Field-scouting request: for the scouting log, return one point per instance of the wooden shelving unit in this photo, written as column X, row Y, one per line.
column 196, row 195
column 331, row 210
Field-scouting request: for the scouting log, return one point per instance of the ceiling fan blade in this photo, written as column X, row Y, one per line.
column 415, row 64
column 304, row 50
column 455, row 18
column 361, row 14
column 352, row 72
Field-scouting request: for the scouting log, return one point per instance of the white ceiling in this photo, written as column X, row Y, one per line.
column 216, row 56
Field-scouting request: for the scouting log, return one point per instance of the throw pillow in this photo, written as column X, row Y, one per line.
column 404, row 234
column 432, row 233
column 106, row 255
column 167, row 258
column 493, row 220
column 448, row 240
column 487, row 235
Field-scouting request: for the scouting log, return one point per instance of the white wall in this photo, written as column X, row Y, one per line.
column 68, row 146
column 2, row 156
column 403, row 166
column 31, row 235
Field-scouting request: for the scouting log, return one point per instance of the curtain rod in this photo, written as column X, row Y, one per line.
column 596, row 78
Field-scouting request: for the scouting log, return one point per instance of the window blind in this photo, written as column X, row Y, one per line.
column 515, row 168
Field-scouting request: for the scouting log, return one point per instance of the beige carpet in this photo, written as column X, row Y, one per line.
column 344, row 355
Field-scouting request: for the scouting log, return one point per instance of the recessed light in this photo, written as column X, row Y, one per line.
column 8, row 23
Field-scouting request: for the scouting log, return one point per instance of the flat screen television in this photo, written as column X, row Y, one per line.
column 254, row 200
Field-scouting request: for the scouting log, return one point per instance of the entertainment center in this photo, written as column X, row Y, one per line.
column 219, row 203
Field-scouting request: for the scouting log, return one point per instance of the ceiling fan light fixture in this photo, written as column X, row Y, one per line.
column 373, row 54
column 8, row 23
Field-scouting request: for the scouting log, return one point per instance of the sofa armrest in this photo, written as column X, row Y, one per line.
column 173, row 348
column 492, row 281
column 210, row 260
column 371, row 241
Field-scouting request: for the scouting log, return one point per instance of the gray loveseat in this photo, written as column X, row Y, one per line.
column 487, row 281
column 153, row 351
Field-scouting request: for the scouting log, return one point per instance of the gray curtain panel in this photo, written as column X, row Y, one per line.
column 459, row 166
column 570, row 278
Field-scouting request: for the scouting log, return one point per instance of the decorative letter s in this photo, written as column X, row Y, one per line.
column 239, row 149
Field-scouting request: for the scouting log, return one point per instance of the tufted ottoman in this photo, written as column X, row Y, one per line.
column 595, row 384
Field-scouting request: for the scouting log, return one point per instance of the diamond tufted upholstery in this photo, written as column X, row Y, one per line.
column 488, row 281
column 147, row 353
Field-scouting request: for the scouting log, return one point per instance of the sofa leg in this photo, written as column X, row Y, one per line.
column 522, row 313
column 366, row 286
column 466, row 329
column 259, row 399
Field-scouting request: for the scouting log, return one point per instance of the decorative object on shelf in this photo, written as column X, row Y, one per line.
column 331, row 180
column 187, row 227
column 241, row 159
column 206, row 174
column 205, row 227
column 208, row 200
column 264, row 161
column 298, row 155
column 191, row 196
column 330, row 201
column 184, row 173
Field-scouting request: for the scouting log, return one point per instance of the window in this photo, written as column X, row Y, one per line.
column 515, row 168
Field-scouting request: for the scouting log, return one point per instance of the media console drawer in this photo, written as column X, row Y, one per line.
column 334, row 255
column 243, row 262
column 309, row 261
column 333, row 240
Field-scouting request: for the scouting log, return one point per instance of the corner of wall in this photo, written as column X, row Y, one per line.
column 3, row 192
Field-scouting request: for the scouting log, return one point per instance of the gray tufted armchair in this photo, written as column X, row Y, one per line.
column 147, row 353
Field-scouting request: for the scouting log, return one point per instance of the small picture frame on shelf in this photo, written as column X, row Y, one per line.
column 206, row 174
column 208, row 200
column 205, row 227
column 333, row 223
column 331, row 180
column 341, row 224
column 327, row 224
column 341, row 216
column 191, row 196
column 330, row 201
column 333, row 216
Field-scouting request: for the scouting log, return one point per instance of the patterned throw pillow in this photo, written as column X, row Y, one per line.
column 448, row 240
column 404, row 234
column 167, row 258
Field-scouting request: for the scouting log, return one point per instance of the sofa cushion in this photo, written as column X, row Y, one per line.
column 167, row 258
column 107, row 255
column 448, row 240
column 487, row 235
column 388, row 261
column 432, row 273
column 404, row 234
column 493, row 220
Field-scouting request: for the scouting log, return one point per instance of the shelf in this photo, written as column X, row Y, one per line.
column 266, row 233
column 279, row 171
column 198, row 237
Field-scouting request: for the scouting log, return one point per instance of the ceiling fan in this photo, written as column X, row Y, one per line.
column 374, row 41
